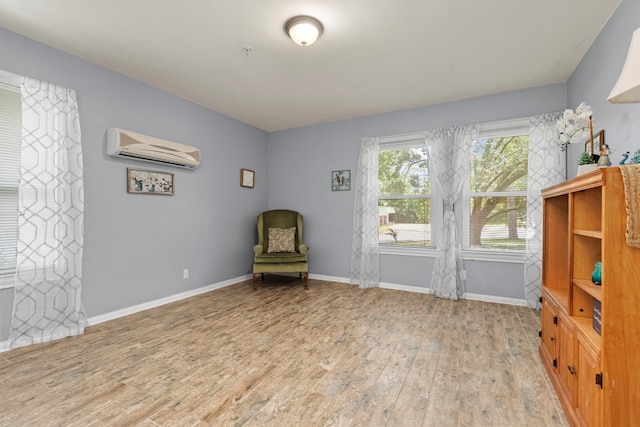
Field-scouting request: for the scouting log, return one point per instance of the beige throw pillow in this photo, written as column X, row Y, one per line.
column 281, row 240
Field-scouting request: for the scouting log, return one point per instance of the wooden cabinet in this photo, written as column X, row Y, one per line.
column 589, row 392
column 549, row 334
column 566, row 370
column 596, row 374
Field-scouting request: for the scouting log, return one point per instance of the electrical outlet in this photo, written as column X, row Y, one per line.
column 185, row 273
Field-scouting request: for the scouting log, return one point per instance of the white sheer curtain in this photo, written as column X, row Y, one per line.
column 449, row 168
column 47, row 303
column 547, row 166
column 365, row 258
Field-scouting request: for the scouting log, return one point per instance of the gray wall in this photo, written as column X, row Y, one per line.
column 136, row 246
column 593, row 80
column 301, row 160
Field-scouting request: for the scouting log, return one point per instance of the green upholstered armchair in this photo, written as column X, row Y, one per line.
column 280, row 248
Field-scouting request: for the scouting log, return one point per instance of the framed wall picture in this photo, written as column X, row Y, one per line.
column 341, row 180
column 598, row 142
column 247, row 178
column 143, row 181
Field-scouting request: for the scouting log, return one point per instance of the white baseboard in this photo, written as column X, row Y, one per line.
column 497, row 300
column 177, row 297
column 329, row 278
column 468, row 296
column 4, row 345
column 406, row 288
column 162, row 301
column 421, row 290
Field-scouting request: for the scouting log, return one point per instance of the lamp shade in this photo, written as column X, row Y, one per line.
column 303, row 30
column 627, row 88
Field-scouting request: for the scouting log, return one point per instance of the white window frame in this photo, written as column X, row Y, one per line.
column 11, row 82
column 491, row 130
column 405, row 141
column 497, row 129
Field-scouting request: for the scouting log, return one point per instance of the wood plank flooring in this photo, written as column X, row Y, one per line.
column 334, row 355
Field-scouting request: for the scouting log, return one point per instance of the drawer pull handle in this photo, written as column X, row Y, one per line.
column 572, row 370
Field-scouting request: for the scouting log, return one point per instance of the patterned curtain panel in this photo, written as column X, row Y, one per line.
column 451, row 148
column 547, row 166
column 47, row 302
column 365, row 258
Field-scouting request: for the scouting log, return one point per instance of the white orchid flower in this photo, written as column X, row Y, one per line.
column 575, row 126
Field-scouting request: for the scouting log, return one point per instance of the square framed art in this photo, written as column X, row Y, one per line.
column 341, row 180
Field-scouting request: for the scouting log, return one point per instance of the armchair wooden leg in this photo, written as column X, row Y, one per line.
column 255, row 281
column 305, row 276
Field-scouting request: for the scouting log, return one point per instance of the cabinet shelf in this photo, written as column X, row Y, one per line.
column 596, row 234
column 560, row 296
column 585, row 326
column 588, row 286
column 585, row 223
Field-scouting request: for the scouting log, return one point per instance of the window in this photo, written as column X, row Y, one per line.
column 495, row 197
column 10, row 130
column 404, row 194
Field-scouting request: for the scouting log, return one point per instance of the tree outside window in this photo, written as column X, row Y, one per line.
column 494, row 199
column 404, row 203
column 497, row 193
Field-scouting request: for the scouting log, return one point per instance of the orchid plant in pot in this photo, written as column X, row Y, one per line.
column 576, row 127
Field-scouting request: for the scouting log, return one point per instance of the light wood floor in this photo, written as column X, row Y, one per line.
column 334, row 355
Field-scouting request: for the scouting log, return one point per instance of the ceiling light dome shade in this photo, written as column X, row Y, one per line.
column 627, row 88
column 303, row 30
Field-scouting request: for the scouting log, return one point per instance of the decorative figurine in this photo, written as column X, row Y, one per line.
column 636, row 158
column 625, row 156
column 604, row 156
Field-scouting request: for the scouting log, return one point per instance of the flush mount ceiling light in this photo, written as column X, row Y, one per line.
column 303, row 30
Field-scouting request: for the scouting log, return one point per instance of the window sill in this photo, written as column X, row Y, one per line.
column 407, row 251
column 468, row 255
column 492, row 256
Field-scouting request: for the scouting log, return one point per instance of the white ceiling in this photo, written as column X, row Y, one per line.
column 374, row 55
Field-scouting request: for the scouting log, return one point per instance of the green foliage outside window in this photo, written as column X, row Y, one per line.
column 404, row 171
column 497, row 203
column 403, row 175
column 498, row 165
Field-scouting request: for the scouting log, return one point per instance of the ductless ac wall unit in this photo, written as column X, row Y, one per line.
column 131, row 145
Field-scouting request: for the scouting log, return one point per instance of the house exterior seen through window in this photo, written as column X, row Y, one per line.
column 493, row 204
column 404, row 194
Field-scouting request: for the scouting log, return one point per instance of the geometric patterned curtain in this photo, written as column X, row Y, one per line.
column 365, row 257
column 47, row 294
column 547, row 166
column 449, row 166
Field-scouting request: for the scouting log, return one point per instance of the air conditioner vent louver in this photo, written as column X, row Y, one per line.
column 127, row 144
